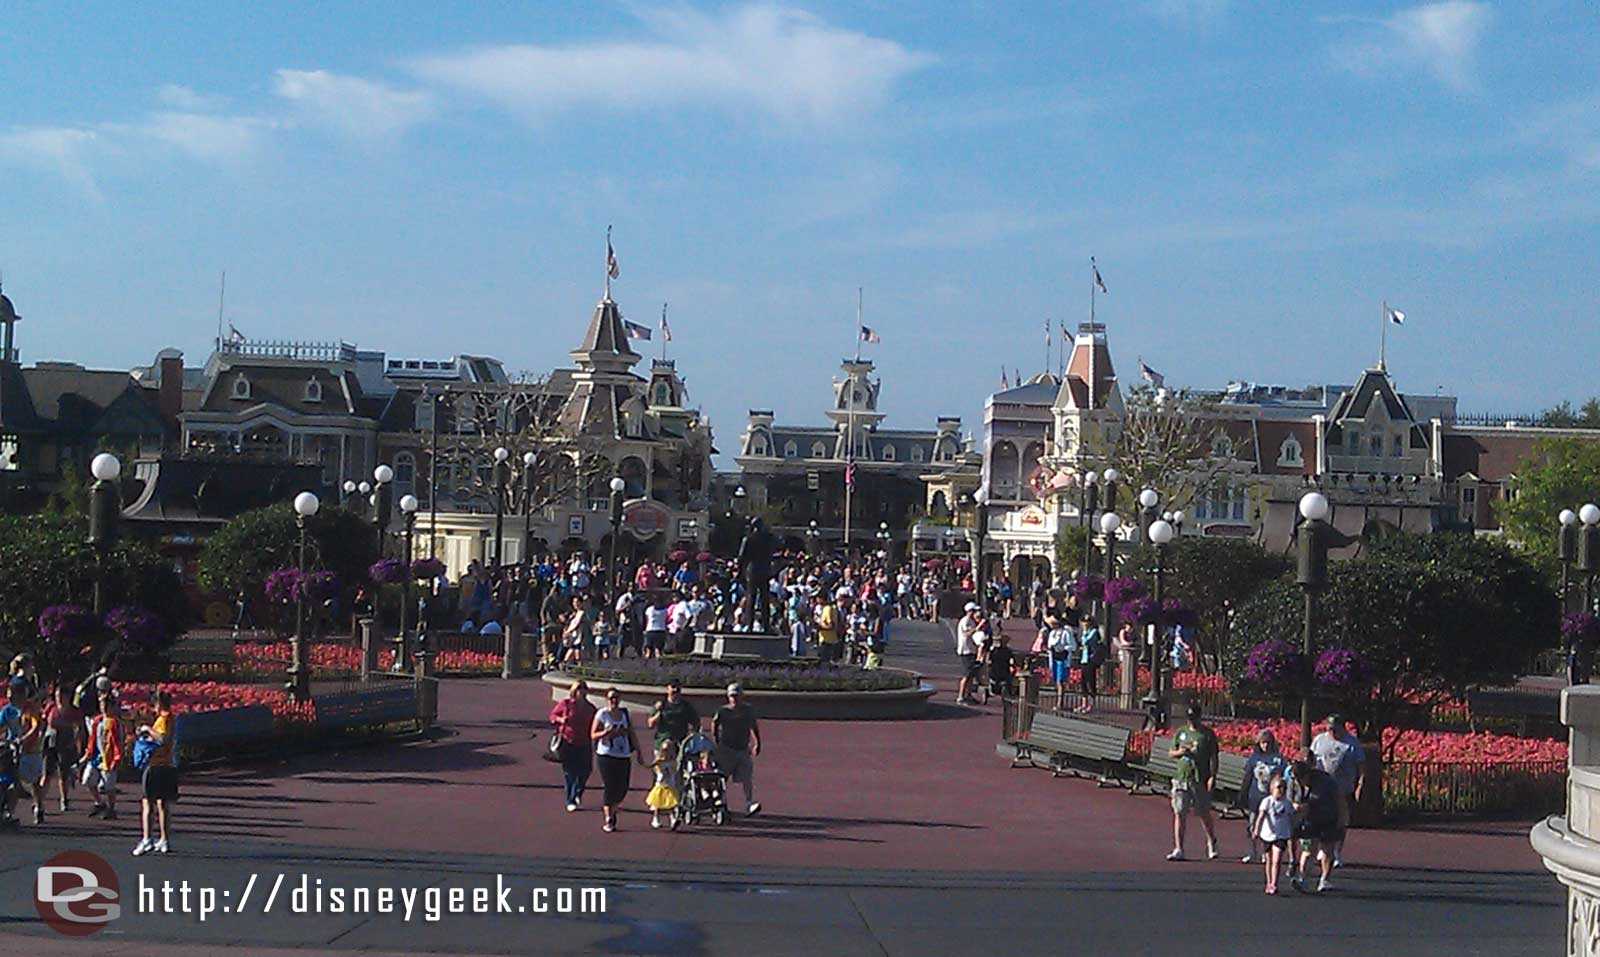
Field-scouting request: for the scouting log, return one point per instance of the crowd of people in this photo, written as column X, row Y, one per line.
column 77, row 734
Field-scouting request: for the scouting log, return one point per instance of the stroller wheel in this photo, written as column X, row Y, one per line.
column 722, row 816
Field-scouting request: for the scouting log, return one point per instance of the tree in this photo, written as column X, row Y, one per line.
column 238, row 557
column 1560, row 473
column 1168, row 444
column 46, row 560
column 1564, row 417
column 1214, row 576
column 1433, row 615
column 528, row 416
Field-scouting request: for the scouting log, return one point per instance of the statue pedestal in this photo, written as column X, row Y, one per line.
column 1570, row 845
column 740, row 645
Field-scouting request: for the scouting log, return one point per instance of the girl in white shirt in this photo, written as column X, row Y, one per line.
column 1274, row 824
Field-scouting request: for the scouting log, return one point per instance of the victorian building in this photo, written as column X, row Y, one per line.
column 796, row 475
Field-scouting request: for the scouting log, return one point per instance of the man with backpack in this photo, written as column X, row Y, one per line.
column 154, row 759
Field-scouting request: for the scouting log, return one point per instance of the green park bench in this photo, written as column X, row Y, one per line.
column 374, row 707
column 199, row 731
column 203, row 651
column 1068, row 741
column 1528, row 710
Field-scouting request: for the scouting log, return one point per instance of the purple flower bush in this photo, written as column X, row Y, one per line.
column 66, row 623
column 318, row 586
column 1140, row 611
column 1580, row 627
column 1089, row 588
column 1122, row 591
column 427, row 569
column 282, row 586
column 1175, row 612
column 137, row 627
column 388, row 571
column 1341, row 669
column 1276, row 665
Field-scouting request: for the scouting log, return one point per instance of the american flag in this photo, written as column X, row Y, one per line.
column 850, row 474
column 867, row 335
column 1097, row 280
column 636, row 331
column 611, row 257
column 666, row 330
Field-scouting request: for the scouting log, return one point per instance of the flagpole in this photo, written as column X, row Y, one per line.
column 663, row 332
column 1383, row 331
column 850, row 430
column 608, row 262
column 1091, row 290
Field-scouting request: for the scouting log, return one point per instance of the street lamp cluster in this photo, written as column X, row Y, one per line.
column 1094, row 500
column 1578, row 541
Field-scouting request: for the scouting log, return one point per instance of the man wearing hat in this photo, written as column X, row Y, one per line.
column 738, row 743
column 1195, row 747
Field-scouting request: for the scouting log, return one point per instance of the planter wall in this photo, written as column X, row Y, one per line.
column 898, row 704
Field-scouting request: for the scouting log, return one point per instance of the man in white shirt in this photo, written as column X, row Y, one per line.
column 1338, row 753
column 626, row 632
column 680, row 625
column 967, row 650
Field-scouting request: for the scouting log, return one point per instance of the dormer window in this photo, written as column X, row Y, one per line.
column 791, row 449
column 1290, row 453
column 916, row 453
column 888, row 453
column 758, row 446
column 1222, row 447
column 241, row 388
column 313, row 390
column 819, row 450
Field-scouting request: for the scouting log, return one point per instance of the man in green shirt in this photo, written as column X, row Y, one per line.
column 1195, row 747
column 675, row 717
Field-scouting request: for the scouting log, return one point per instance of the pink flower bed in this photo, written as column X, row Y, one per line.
column 250, row 655
column 1436, row 746
column 139, row 699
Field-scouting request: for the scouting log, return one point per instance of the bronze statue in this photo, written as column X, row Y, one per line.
column 755, row 570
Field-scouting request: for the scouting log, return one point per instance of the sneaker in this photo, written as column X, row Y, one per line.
column 144, row 847
column 1338, row 861
column 38, row 814
column 162, row 848
column 608, row 827
column 577, row 801
column 1323, row 884
column 65, row 806
column 1176, row 855
column 655, row 822
column 755, row 809
column 1211, row 853
column 571, row 806
column 96, row 811
column 1247, row 859
column 674, row 824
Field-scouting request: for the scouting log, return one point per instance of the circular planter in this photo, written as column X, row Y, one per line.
column 898, row 704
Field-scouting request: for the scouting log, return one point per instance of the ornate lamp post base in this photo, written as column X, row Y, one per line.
column 1570, row 845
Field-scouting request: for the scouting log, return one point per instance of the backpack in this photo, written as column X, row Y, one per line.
column 143, row 747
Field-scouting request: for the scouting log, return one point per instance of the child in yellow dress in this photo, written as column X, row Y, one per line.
column 669, row 786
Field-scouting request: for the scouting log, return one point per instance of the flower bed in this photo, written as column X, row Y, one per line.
column 766, row 676
column 265, row 661
column 190, row 696
column 1429, row 746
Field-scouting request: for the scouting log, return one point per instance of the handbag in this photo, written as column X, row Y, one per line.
column 555, row 750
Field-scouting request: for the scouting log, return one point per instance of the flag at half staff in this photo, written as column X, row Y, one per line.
column 867, row 335
column 636, row 331
column 1397, row 317
column 1156, row 379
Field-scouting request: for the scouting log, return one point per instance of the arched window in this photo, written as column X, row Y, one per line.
column 758, row 445
column 313, row 390
column 1399, row 446
column 241, row 388
column 1222, row 446
column 1290, row 453
column 941, row 505
column 888, row 453
column 405, row 473
column 663, row 394
column 916, row 453
column 1376, row 445
column 819, row 450
column 791, row 449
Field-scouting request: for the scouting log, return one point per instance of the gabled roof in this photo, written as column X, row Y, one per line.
column 16, row 406
column 1373, row 384
column 605, row 342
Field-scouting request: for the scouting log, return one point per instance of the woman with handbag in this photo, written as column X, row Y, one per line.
column 571, row 744
column 614, row 745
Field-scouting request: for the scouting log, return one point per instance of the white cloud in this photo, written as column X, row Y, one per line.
column 352, row 105
column 773, row 61
column 180, row 97
column 60, row 150
column 1440, row 38
column 203, row 136
column 1190, row 12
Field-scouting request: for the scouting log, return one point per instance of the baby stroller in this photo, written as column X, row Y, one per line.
column 9, row 759
column 705, row 787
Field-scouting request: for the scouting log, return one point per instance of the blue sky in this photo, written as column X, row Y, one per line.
column 1254, row 178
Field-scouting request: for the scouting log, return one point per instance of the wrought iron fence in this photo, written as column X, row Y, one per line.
column 1437, row 787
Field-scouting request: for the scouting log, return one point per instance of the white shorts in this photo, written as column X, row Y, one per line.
column 100, row 781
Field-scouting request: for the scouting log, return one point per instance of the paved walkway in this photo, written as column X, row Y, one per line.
column 876, row 837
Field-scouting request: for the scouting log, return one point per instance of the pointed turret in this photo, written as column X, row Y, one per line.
column 605, row 347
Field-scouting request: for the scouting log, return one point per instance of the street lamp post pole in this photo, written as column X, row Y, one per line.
column 383, row 479
column 1160, row 534
column 1312, row 575
column 105, row 505
column 1566, row 546
column 1588, row 564
column 433, row 473
column 500, row 477
column 299, row 684
column 529, row 459
column 617, row 488
column 1091, row 491
column 980, row 509
column 408, row 512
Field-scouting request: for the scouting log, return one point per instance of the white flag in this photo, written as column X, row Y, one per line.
column 1397, row 317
